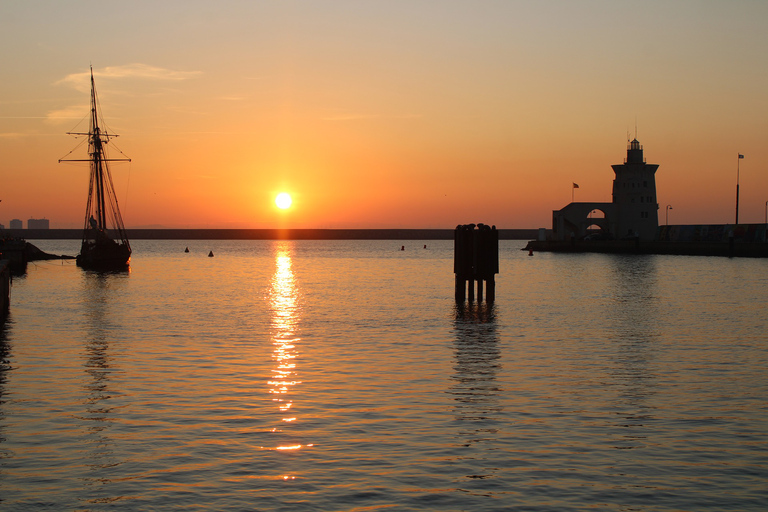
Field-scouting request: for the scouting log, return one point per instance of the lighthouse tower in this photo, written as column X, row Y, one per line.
column 634, row 195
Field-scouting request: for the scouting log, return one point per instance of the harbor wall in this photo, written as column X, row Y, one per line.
column 689, row 248
column 746, row 233
column 745, row 240
column 269, row 234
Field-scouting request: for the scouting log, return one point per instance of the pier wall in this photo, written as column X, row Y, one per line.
column 269, row 234
column 747, row 240
column 746, row 233
column 691, row 248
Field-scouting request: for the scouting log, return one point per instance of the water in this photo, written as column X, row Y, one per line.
column 342, row 376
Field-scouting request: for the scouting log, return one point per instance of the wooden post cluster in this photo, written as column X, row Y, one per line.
column 475, row 258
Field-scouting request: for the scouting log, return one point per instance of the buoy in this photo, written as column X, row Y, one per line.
column 210, row 254
column 186, row 250
column 425, row 246
column 402, row 248
column 530, row 252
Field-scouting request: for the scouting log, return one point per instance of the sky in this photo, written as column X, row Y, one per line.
column 383, row 113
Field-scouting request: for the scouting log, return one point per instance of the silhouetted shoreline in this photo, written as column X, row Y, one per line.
column 270, row 234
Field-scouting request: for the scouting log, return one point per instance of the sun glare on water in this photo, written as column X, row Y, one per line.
column 283, row 200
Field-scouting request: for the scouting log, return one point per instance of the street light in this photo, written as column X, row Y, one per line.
column 669, row 207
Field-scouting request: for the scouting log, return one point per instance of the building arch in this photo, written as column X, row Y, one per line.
column 578, row 220
column 597, row 213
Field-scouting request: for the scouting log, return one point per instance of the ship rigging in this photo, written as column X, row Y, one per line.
column 105, row 244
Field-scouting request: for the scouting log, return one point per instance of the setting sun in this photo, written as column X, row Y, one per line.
column 283, row 200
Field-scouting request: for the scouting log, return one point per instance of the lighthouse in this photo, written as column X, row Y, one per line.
column 634, row 195
column 632, row 213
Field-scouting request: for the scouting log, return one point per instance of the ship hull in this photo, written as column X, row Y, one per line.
column 104, row 255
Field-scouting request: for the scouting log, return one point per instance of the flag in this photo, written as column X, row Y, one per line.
column 741, row 156
column 575, row 185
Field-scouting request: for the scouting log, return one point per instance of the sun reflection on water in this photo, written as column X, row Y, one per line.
column 284, row 301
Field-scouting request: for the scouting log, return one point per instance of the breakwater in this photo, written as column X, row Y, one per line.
column 728, row 249
column 742, row 240
column 270, row 234
column 741, row 233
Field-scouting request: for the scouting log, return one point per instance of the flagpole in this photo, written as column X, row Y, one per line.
column 738, row 161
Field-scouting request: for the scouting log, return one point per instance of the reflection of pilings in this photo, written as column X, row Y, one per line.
column 475, row 258
column 476, row 391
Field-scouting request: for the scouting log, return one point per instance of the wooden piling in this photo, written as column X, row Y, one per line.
column 490, row 294
column 475, row 258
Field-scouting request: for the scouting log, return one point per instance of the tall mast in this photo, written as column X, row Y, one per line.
column 97, row 160
column 102, row 212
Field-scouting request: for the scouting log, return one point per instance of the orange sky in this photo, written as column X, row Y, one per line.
column 383, row 114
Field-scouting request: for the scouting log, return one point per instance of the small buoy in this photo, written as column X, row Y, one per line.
column 530, row 252
column 402, row 248
column 186, row 250
column 425, row 246
column 210, row 254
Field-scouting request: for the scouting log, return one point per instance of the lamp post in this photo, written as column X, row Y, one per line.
column 766, row 212
column 669, row 207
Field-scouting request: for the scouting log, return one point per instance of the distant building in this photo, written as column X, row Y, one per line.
column 38, row 224
column 632, row 214
column 16, row 224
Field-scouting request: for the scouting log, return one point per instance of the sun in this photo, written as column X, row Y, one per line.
column 283, row 200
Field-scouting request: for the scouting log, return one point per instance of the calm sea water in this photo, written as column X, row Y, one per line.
column 342, row 376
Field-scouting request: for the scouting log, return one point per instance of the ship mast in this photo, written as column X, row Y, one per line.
column 102, row 199
column 97, row 160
